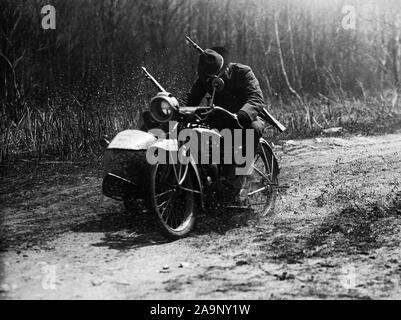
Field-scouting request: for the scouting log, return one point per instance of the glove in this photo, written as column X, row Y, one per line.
column 244, row 119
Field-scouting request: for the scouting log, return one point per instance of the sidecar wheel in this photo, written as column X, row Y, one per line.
column 174, row 205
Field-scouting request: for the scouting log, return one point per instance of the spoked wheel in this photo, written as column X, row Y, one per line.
column 260, row 190
column 173, row 198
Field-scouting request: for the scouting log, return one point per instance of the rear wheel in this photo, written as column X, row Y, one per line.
column 172, row 198
column 260, row 187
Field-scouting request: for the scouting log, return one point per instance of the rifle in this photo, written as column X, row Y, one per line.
column 154, row 81
column 194, row 44
column 272, row 120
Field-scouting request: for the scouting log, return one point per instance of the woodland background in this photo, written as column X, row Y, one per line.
column 62, row 90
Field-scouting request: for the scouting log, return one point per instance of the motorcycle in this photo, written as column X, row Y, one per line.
column 175, row 192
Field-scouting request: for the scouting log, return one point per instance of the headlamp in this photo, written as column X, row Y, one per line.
column 163, row 107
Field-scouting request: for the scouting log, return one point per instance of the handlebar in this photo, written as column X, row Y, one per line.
column 201, row 114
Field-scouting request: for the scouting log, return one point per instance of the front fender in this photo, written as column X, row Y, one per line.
column 166, row 144
column 196, row 173
column 171, row 145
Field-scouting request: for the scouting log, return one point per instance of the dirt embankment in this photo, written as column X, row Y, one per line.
column 335, row 234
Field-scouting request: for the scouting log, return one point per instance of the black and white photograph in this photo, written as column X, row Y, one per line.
column 226, row 151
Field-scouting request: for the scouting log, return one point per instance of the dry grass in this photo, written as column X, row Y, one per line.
column 369, row 115
column 68, row 129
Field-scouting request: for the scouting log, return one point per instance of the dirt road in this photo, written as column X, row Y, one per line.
column 335, row 234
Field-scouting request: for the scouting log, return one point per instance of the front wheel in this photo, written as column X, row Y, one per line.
column 172, row 198
column 260, row 188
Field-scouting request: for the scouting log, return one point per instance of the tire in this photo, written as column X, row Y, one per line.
column 259, row 191
column 174, row 208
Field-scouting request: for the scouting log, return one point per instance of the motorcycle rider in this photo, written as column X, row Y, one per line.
column 241, row 96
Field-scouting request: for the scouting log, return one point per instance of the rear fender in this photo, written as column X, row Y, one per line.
column 267, row 145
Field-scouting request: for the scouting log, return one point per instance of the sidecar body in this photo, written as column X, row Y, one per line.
column 126, row 167
column 125, row 163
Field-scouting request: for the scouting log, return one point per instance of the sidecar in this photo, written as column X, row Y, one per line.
column 126, row 169
column 125, row 163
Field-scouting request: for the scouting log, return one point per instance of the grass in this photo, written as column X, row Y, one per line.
column 370, row 116
column 69, row 130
